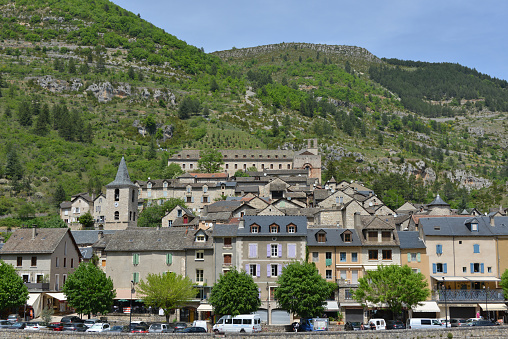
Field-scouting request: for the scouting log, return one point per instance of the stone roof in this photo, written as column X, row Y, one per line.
column 217, row 216
column 66, row 204
column 410, row 239
column 247, row 189
column 153, row 239
column 122, row 178
column 220, row 175
column 321, row 194
column 45, row 241
column 84, row 195
column 88, row 237
column 264, row 221
column 103, row 242
column 377, row 222
column 251, row 154
column 223, row 206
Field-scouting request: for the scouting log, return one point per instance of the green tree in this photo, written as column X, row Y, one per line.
column 59, row 196
column 210, row 161
column 214, row 87
column 504, row 283
column 167, row 291
column 302, row 290
column 89, row 290
column 13, row 292
column 42, row 121
column 275, row 127
column 235, row 293
column 72, row 66
column 86, row 220
column 130, row 73
column 150, row 124
column 396, row 286
column 172, row 171
column 13, row 168
column 26, row 211
column 151, row 216
column 24, row 113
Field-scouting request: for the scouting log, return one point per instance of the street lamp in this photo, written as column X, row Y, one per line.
column 130, row 313
column 443, row 288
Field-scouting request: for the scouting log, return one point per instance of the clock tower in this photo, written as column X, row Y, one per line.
column 121, row 201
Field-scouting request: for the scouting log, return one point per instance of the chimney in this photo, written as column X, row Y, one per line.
column 357, row 220
column 492, row 222
column 241, row 224
column 34, row 231
column 100, row 235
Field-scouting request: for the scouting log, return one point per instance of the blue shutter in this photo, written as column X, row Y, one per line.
column 247, row 269
column 409, row 257
column 201, row 199
column 418, row 257
column 445, row 270
column 268, row 251
column 268, row 270
column 169, row 258
column 192, row 199
column 481, row 268
column 476, row 248
column 279, row 269
column 472, row 268
column 280, row 250
column 439, row 249
column 434, row 268
column 258, row 270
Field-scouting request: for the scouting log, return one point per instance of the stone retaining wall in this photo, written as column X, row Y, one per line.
column 457, row 333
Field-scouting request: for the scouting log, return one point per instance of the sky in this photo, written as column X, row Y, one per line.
column 469, row 32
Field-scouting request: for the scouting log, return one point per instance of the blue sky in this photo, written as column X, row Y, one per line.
column 471, row 33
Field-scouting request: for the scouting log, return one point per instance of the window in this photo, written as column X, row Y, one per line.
column 439, row 249
column 227, row 259
column 489, row 269
column 169, row 258
column 135, row 259
column 291, row 228
column 274, row 270
column 253, row 270
column 117, row 194
column 412, row 257
column 205, row 189
column 372, row 236
column 149, row 185
column 342, row 256
column 474, row 227
column 72, row 262
column 135, row 277
column 165, row 184
column 200, row 255
column 26, row 278
column 253, row 250
column 321, row 237
column 373, row 254
column 354, row 257
column 179, row 212
column 477, row 268
column 76, row 210
column 103, row 263
column 347, row 237
column 189, row 189
column 343, row 274
column 328, row 257
column 200, row 238
column 386, row 235
column 57, row 262
column 254, row 229
column 57, row 282
column 274, row 229
column 476, row 248
column 65, row 262
column 315, row 256
column 328, row 274
column 34, row 262
column 19, row 261
column 387, row 254
column 170, row 223
column 227, row 242
column 274, row 250
column 439, row 268
column 205, row 200
column 64, row 279
column 189, row 199
column 464, row 269
column 117, row 215
column 199, row 276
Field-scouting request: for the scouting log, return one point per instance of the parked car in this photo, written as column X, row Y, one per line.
column 377, row 324
column 140, row 329
column 89, row 322
column 56, row 326
column 354, row 326
column 5, row 324
column 72, row 319
column 395, row 325
column 458, row 322
column 193, row 330
column 416, row 323
column 159, row 328
column 135, row 324
column 14, row 318
column 75, row 327
column 179, row 326
column 118, row 328
column 200, row 323
column 36, row 326
column 99, row 327
column 20, row 325
column 445, row 323
column 483, row 323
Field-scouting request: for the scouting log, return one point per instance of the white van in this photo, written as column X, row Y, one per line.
column 200, row 323
column 243, row 323
column 415, row 323
column 377, row 324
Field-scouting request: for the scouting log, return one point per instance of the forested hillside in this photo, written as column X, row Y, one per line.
column 83, row 83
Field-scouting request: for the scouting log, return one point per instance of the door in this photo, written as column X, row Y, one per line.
column 462, row 312
column 263, row 314
column 280, row 317
column 354, row 314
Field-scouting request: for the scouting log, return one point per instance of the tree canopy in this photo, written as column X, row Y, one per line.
column 166, row 291
column 302, row 290
column 152, row 215
column 393, row 285
column 13, row 291
column 504, row 283
column 89, row 290
column 235, row 293
column 86, row 220
column 210, row 161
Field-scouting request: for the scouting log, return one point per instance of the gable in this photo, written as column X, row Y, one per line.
column 271, row 210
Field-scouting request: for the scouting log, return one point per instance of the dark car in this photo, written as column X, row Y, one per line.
column 140, row 329
column 459, row 322
column 57, row 326
column 18, row 326
column 177, row 327
column 119, row 328
column 483, row 323
column 192, row 330
column 395, row 325
column 14, row 318
column 71, row 319
column 354, row 326
column 5, row 324
column 133, row 325
column 76, row 327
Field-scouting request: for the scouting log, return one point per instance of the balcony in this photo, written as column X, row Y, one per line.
column 345, row 283
column 468, row 295
column 37, row 286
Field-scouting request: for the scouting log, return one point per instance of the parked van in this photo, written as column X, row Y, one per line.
column 313, row 324
column 377, row 324
column 415, row 323
column 200, row 323
column 244, row 323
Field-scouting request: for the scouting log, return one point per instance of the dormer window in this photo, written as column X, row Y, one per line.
column 254, row 229
column 200, row 238
column 165, row 184
column 149, row 185
column 321, row 237
column 189, row 188
column 291, row 228
column 274, row 228
column 347, row 237
column 474, row 227
column 179, row 213
column 205, row 189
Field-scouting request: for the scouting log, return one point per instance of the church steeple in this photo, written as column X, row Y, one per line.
column 122, row 178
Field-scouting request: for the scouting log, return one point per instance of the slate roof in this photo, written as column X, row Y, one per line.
column 321, row 194
column 225, row 230
column 456, row 226
column 122, row 178
column 333, row 237
column 247, row 189
column 150, row 239
column 264, row 221
column 46, row 240
column 103, row 242
column 410, row 239
column 88, row 237
column 280, row 186
column 217, row 216
column 438, row 202
column 66, row 204
column 377, row 222
column 86, row 252
column 223, row 206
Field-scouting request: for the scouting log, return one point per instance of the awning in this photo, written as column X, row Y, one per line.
column 493, row 307
column 59, row 296
column 426, row 306
column 331, row 306
column 449, row 278
column 34, row 300
column 483, row 279
column 205, row 308
column 350, row 305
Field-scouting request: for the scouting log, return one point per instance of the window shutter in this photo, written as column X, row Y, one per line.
column 258, row 270
column 476, row 248
column 481, row 268
column 409, row 257
column 279, row 269
column 280, row 250
column 135, row 259
column 434, row 268
column 439, row 249
column 418, row 257
column 268, row 251
column 445, row 270
column 419, row 271
column 247, row 268
column 268, row 270
column 169, row 259
column 192, row 199
column 291, row 250
column 201, row 199
column 472, row 267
